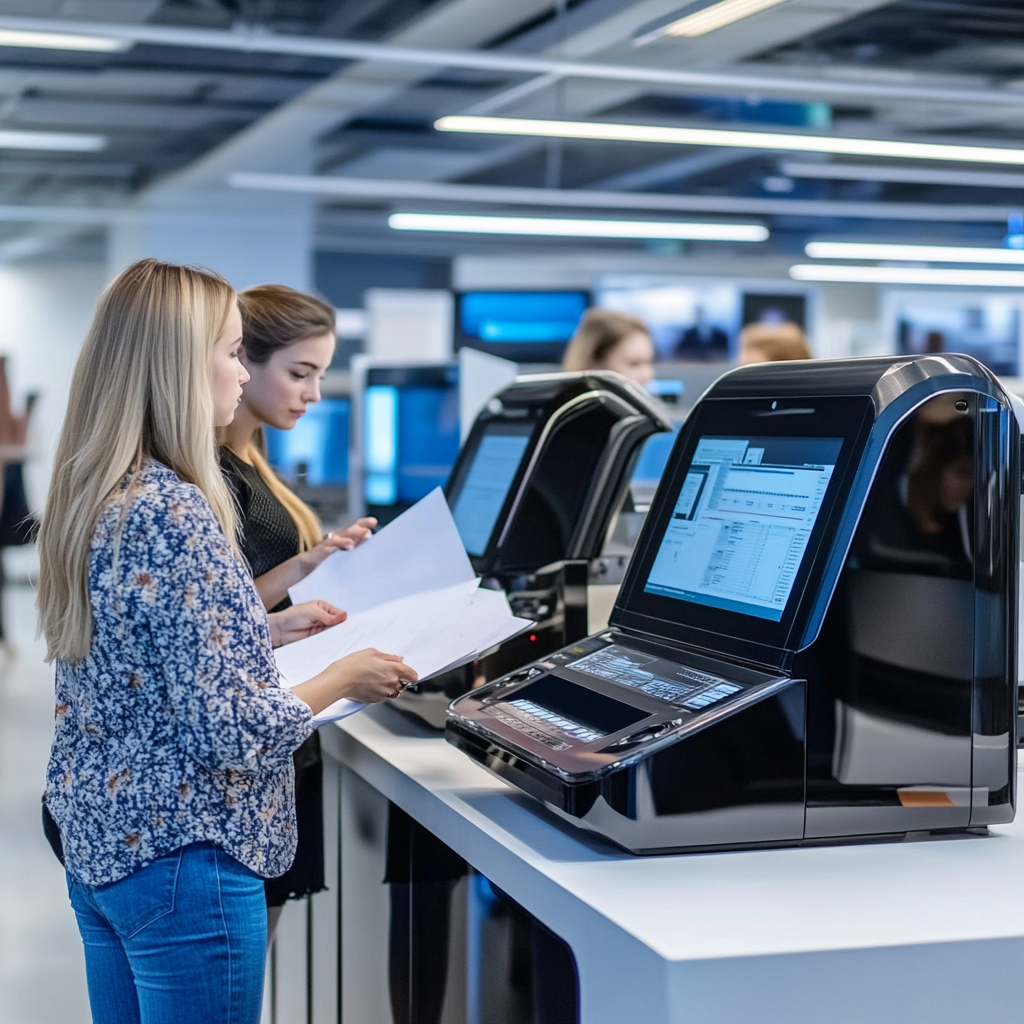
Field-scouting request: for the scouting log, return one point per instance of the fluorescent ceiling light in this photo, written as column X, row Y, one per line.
column 62, row 41
column 726, row 137
column 911, row 253
column 716, row 16
column 908, row 275
column 576, row 228
column 61, row 142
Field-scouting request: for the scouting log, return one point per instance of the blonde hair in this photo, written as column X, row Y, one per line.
column 141, row 389
column 776, row 342
column 596, row 335
column 275, row 316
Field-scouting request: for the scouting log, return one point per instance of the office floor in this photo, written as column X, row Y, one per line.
column 42, row 975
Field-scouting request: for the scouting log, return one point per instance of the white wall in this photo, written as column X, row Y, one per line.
column 45, row 311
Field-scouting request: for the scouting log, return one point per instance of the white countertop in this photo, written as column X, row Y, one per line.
column 683, row 921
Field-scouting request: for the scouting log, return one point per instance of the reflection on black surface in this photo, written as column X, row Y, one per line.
column 551, row 507
column 893, row 707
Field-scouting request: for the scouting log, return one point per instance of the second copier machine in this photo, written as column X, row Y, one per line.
column 816, row 638
column 534, row 492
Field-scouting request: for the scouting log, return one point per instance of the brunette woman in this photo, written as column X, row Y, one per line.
column 287, row 344
column 171, row 775
column 605, row 340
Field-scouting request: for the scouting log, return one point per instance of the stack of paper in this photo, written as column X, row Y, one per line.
column 409, row 590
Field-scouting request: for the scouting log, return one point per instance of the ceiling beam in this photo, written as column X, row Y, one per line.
column 900, row 175
column 430, row 191
column 246, row 40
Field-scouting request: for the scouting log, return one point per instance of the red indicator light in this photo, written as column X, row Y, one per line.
column 533, row 636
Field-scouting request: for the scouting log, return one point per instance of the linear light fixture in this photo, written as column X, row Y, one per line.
column 60, row 142
column 566, row 227
column 908, row 275
column 912, row 253
column 725, row 137
column 716, row 16
column 63, row 41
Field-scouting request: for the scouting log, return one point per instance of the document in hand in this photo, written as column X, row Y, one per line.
column 414, row 594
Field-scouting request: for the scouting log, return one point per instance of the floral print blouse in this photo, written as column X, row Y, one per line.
column 174, row 729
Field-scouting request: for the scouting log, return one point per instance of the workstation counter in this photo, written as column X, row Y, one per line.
column 896, row 931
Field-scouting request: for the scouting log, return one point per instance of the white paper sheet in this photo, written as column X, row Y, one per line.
column 419, row 551
column 432, row 631
column 409, row 590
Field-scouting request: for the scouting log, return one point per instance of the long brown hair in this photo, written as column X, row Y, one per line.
column 275, row 316
column 142, row 388
column 597, row 334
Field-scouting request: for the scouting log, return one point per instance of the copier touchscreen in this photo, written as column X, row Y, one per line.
column 742, row 521
column 482, row 495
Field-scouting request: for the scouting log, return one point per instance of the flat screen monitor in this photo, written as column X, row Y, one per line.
column 315, row 450
column 486, row 484
column 741, row 529
column 742, row 521
column 411, row 434
column 524, row 326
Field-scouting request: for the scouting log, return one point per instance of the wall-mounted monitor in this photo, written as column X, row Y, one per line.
column 524, row 326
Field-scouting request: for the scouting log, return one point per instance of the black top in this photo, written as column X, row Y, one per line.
column 269, row 535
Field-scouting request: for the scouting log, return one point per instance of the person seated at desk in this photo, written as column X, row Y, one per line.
column 772, row 343
column 611, row 341
column 702, row 342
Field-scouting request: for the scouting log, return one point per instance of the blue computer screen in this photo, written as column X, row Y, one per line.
column 487, row 484
column 411, row 433
column 318, row 442
column 502, row 317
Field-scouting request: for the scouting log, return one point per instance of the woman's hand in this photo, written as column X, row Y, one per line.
column 338, row 540
column 368, row 676
column 371, row 676
column 302, row 620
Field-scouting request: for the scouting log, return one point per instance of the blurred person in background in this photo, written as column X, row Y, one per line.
column 170, row 776
column 772, row 343
column 287, row 345
column 611, row 341
column 17, row 525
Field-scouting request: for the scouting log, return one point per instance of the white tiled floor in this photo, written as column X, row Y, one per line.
column 42, row 975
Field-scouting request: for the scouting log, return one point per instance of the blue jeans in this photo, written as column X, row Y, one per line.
column 182, row 939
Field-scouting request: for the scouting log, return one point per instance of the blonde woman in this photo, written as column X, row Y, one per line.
column 772, row 343
column 611, row 341
column 170, row 776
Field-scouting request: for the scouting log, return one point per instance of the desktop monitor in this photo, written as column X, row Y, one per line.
column 524, row 326
column 315, row 450
column 409, row 435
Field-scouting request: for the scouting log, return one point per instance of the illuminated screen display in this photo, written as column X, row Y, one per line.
column 521, row 316
column 486, row 486
column 741, row 522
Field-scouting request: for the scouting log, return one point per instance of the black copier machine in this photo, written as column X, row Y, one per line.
column 816, row 638
column 534, row 493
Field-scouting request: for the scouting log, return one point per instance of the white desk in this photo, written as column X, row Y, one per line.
column 868, row 934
